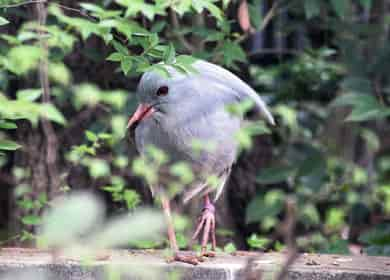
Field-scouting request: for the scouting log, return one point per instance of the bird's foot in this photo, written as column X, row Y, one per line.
column 208, row 254
column 185, row 258
column 207, row 225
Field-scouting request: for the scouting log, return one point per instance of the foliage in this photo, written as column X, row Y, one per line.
column 85, row 236
column 334, row 88
column 378, row 240
column 305, row 163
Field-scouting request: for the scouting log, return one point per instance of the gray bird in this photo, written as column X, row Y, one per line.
column 176, row 111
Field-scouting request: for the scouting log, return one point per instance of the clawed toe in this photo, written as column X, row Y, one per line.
column 206, row 225
column 209, row 254
column 190, row 259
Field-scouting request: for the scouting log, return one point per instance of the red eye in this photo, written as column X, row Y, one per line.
column 162, row 91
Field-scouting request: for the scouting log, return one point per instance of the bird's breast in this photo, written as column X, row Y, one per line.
column 208, row 141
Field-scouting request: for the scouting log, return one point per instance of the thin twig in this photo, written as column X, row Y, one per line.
column 176, row 27
column 7, row 179
column 22, row 4
column 76, row 10
column 274, row 51
column 271, row 13
column 48, row 130
column 198, row 21
column 288, row 231
column 45, row 1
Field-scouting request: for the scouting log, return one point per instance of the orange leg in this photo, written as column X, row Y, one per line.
column 191, row 259
column 207, row 224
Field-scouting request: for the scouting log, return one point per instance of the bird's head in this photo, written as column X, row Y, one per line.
column 160, row 96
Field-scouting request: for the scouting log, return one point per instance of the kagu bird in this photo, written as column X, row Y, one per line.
column 175, row 111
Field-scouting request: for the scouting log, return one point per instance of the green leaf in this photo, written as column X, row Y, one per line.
column 105, row 136
column 3, row 21
column 158, row 26
column 181, row 6
column 131, row 198
column 7, row 125
column 275, row 174
column 264, row 206
column 91, row 136
column 336, row 246
column 335, row 218
column 288, row 115
column 8, row 145
column 258, row 242
column 355, row 84
column 159, row 69
column 225, row 3
column 310, row 214
column 86, row 94
column 99, row 11
column 59, row 73
column 232, row 52
column 364, row 113
column 50, row 112
column 372, row 139
column 354, row 99
column 98, row 168
column 169, row 54
column 214, row 10
column 91, row 7
column 120, row 48
column 31, row 220
column 185, row 59
column 12, row 40
column 28, row 94
column 313, row 162
column 121, row 162
column 126, row 64
column 42, row 198
column 23, row 58
column 244, row 135
column 183, row 171
column 200, row 5
column 366, row 3
column 340, row 7
column 364, row 107
column 255, row 15
column 229, row 248
column 377, row 250
column 153, row 39
column 378, row 235
column 312, row 8
column 116, row 56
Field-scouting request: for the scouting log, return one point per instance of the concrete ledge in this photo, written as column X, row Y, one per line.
column 21, row 264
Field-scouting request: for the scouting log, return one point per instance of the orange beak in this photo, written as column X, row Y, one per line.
column 143, row 111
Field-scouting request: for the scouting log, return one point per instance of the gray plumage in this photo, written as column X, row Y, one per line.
column 195, row 109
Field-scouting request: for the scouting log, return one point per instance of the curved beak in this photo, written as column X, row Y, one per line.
column 143, row 111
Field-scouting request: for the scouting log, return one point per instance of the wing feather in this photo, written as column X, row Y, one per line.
column 221, row 76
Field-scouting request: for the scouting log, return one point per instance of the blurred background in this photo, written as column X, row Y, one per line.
column 68, row 74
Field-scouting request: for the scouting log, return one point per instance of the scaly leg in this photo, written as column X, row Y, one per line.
column 207, row 224
column 180, row 257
